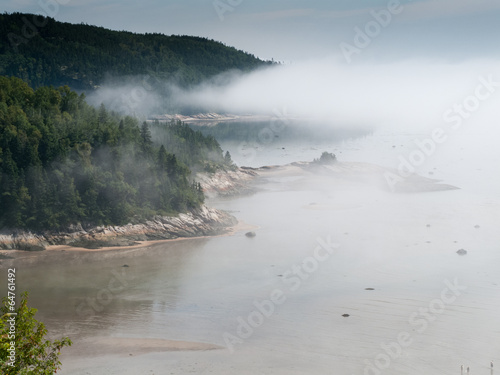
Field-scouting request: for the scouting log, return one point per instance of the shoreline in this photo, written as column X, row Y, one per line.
column 209, row 222
column 200, row 222
column 237, row 228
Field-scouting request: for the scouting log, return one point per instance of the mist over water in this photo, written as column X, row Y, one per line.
column 405, row 95
column 327, row 99
column 403, row 246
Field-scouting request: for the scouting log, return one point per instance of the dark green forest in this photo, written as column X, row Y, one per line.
column 64, row 162
column 44, row 52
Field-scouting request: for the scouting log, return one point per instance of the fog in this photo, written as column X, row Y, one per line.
column 135, row 97
column 402, row 95
column 397, row 253
column 405, row 95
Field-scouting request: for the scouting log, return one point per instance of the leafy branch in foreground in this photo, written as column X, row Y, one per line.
column 34, row 355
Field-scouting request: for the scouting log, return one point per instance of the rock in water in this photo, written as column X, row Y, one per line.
column 461, row 252
column 250, row 234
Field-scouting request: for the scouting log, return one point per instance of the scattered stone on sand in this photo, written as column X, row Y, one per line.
column 250, row 234
column 345, row 315
column 461, row 252
column 369, row 288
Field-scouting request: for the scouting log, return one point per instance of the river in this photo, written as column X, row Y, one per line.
column 343, row 276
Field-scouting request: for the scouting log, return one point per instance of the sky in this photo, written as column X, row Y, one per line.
column 298, row 30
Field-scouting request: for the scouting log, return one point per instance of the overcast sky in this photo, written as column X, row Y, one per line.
column 293, row 30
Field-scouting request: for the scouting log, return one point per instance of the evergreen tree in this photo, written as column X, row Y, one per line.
column 64, row 162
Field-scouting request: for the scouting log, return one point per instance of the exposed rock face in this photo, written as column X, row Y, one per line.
column 204, row 221
column 226, row 183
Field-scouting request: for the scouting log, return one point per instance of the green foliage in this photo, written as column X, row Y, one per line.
column 326, row 158
column 64, row 162
column 227, row 158
column 34, row 355
column 46, row 52
column 179, row 138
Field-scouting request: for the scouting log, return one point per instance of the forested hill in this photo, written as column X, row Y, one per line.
column 64, row 162
column 43, row 52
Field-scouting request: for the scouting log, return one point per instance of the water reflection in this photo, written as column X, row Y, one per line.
column 403, row 246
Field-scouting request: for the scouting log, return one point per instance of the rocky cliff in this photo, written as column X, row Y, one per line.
column 226, row 183
column 204, row 221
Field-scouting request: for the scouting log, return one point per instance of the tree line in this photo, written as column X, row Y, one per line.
column 43, row 52
column 64, row 162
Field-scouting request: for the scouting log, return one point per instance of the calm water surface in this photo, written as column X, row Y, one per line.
column 401, row 245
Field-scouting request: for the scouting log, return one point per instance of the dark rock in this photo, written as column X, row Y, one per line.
column 345, row 315
column 461, row 252
column 369, row 288
column 125, row 265
column 250, row 234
